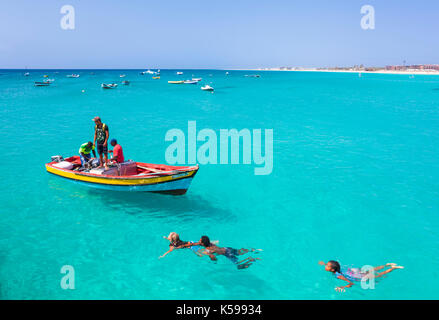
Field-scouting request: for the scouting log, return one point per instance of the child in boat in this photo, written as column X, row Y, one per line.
column 176, row 243
column 230, row 253
column 352, row 275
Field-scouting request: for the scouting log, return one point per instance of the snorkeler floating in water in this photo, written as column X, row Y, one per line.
column 354, row 274
column 232, row 254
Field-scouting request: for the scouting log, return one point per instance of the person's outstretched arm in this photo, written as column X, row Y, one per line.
column 189, row 244
column 211, row 255
column 343, row 288
column 170, row 250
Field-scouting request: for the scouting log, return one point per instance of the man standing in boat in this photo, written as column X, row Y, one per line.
column 117, row 152
column 100, row 140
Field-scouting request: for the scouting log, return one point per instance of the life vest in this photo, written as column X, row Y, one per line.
column 100, row 133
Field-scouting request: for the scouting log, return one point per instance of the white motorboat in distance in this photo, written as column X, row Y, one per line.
column 207, row 88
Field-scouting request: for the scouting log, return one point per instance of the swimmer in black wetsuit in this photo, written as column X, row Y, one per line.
column 230, row 253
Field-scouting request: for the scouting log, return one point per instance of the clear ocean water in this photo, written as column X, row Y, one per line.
column 355, row 178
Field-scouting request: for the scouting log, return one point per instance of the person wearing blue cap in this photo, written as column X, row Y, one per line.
column 117, row 152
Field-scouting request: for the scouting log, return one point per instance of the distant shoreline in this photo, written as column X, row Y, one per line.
column 382, row 71
column 411, row 72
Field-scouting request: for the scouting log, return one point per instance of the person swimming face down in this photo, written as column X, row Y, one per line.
column 173, row 237
column 333, row 266
column 205, row 241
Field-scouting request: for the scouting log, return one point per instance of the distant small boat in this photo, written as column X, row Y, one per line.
column 207, row 88
column 176, row 82
column 179, row 73
column 108, row 85
column 45, row 76
column 252, row 75
column 26, row 74
column 158, row 77
column 227, row 73
column 122, row 76
column 197, row 79
column 147, row 72
column 72, row 76
column 190, row 82
column 125, row 82
column 42, row 83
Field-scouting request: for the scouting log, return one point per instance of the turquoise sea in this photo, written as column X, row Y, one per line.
column 355, row 178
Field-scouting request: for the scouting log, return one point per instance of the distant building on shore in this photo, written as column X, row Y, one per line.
column 424, row 67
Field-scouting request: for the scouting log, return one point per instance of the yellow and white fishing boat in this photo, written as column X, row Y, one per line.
column 126, row 176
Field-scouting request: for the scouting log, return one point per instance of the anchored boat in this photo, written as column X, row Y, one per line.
column 109, row 85
column 207, row 88
column 126, row 176
column 176, row 82
column 42, row 83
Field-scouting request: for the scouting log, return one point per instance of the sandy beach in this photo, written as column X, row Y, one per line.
column 408, row 72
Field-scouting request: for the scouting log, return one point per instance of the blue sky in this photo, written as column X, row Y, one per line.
column 216, row 34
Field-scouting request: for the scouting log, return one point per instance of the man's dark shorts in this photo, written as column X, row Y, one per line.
column 102, row 149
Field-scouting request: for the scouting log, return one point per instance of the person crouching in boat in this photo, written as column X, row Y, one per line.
column 84, row 152
column 176, row 243
column 117, row 152
column 352, row 275
column 230, row 253
column 100, row 140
